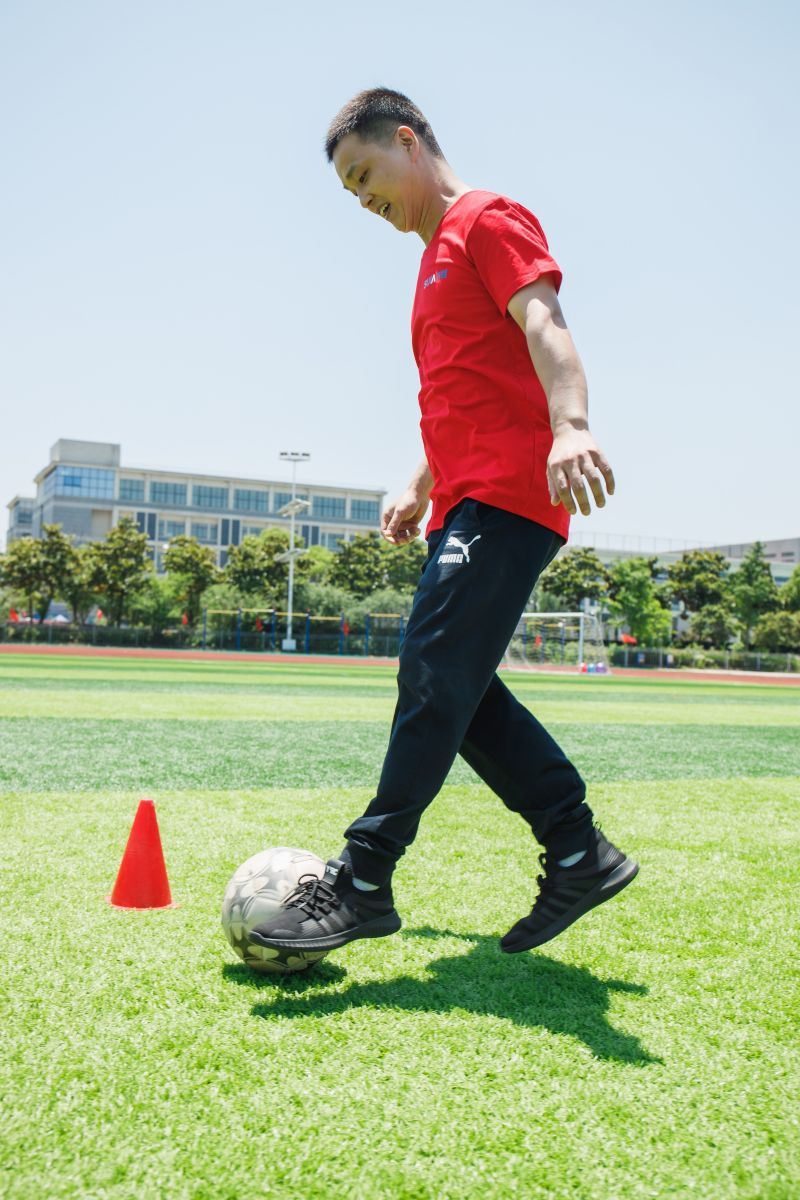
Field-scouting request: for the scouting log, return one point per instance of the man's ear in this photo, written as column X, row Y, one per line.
column 408, row 141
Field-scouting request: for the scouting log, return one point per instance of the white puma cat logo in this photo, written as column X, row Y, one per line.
column 463, row 547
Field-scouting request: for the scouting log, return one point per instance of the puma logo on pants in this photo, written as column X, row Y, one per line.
column 463, row 547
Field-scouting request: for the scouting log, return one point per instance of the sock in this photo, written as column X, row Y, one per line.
column 363, row 886
column 572, row 859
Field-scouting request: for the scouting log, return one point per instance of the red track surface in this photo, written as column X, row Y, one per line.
column 778, row 680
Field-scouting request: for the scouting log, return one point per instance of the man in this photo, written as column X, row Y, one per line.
column 508, row 458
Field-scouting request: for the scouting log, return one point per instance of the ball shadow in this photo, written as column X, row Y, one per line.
column 530, row 990
column 322, row 974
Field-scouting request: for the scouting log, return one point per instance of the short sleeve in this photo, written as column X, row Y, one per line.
column 508, row 247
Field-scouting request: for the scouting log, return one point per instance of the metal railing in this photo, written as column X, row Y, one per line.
column 375, row 634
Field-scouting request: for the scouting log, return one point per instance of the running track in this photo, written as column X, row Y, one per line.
column 774, row 678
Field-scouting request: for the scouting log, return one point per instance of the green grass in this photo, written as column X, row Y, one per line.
column 651, row 1051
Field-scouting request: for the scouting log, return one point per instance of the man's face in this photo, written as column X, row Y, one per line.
column 382, row 175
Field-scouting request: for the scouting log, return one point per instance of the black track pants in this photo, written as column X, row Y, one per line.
column 477, row 579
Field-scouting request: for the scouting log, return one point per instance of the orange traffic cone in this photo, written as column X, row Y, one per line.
column 142, row 879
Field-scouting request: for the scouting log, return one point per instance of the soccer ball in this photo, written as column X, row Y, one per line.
column 254, row 895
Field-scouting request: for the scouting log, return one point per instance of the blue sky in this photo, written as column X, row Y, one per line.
column 181, row 272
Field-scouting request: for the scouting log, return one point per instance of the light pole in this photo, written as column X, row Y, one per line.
column 291, row 510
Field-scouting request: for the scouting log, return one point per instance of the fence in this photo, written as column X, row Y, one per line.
column 374, row 634
column 378, row 634
column 253, row 630
column 696, row 658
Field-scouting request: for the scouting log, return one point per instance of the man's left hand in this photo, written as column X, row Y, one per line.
column 577, row 466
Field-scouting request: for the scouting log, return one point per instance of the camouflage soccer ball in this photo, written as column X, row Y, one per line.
column 254, row 895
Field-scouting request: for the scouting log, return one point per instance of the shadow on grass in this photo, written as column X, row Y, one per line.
column 533, row 991
column 319, row 975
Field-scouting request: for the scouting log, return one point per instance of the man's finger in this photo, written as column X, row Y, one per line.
column 554, row 496
column 394, row 524
column 605, row 467
column 556, row 480
column 564, row 493
column 579, row 491
column 594, row 479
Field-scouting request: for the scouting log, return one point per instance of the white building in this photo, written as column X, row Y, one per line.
column 85, row 489
column 782, row 554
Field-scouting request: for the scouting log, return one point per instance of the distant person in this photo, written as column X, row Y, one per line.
column 508, row 458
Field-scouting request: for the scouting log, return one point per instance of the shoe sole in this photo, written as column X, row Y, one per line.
column 618, row 879
column 377, row 927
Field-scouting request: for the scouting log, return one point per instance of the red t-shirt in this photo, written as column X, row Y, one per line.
column 485, row 421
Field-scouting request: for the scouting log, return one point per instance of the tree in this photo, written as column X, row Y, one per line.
column 321, row 599
column 252, row 569
column 575, row 575
column 360, row 565
column 777, row 631
column 120, row 567
column 157, row 603
column 316, row 564
column 635, row 600
column 42, row 568
column 755, row 592
column 385, row 601
column 223, row 597
column 789, row 594
column 403, row 564
column 698, row 578
column 77, row 587
column 195, row 569
column 56, row 559
column 714, row 625
column 22, row 569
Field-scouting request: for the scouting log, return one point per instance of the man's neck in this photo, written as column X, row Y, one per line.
column 444, row 189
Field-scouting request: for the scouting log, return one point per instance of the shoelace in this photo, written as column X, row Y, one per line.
column 313, row 895
column 546, row 879
column 549, row 867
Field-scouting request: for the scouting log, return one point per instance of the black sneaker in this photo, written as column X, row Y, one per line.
column 566, row 893
column 321, row 914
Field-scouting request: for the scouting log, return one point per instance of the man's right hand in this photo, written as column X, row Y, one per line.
column 401, row 519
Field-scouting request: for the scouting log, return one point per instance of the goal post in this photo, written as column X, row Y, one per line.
column 548, row 640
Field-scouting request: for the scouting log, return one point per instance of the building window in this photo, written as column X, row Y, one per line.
column 332, row 540
column 171, row 529
column 327, row 506
column 23, row 516
column 310, row 534
column 365, row 510
column 253, row 530
column 89, row 482
column 131, row 491
column 249, row 500
column 281, row 498
column 168, row 493
column 209, row 497
column 205, row 532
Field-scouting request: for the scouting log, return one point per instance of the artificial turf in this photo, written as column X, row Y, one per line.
column 650, row 1051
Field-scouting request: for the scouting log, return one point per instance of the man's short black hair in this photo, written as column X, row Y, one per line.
column 374, row 115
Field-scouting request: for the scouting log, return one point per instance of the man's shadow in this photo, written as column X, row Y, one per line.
column 531, row 990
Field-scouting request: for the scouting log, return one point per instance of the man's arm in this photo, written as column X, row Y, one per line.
column 575, row 458
column 401, row 517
